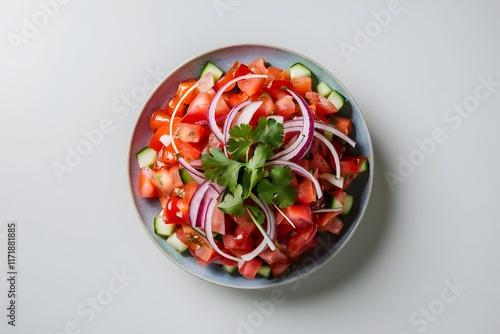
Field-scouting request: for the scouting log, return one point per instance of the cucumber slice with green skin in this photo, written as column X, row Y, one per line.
column 176, row 243
column 299, row 70
column 264, row 271
column 146, row 157
column 162, row 229
column 337, row 99
column 349, row 200
column 229, row 269
column 331, row 202
column 213, row 69
column 324, row 89
column 185, row 176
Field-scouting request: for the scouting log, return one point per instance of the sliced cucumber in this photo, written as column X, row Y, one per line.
column 349, row 200
column 213, row 69
column 185, row 176
column 264, row 271
column 331, row 202
column 176, row 243
column 324, row 89
column 337, row 99
column 162, row 229
column 229, row 269
column 299, row 70
column 146, row 157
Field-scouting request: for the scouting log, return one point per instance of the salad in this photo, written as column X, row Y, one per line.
column 250, row 166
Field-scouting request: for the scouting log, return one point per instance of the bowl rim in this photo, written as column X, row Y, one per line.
column 368, row 187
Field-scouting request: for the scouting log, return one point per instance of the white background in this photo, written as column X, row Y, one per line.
column 437, row 226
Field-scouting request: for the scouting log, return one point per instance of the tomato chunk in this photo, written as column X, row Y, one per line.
column 147, row 187
column 250, row 268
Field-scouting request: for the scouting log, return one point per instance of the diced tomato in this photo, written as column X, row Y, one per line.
column 305, row 234
column 352, row 164
column 198, row 109
column 278, row 269
column 166, row 180
column 273, row 256
column 205, row 83
column 187, row 193
column 250, row 268
column 195, row 134
column 251, row 86
column 244, row 221
column 242, row 70
column 241, row 239
column 275, row 73
column 329, row 221
column 155, row 142
column 218, row 221
column 343, row 124
column 282, row 85
column 183, row 87
column 172, row 104
column 275, row 93
column 168, row 155
column 221, row 109
column 258, row 66
column 319, row 163
column 302, row 85
column 159, row 118
column 265, row 109
column 237, row 98
column 196, row 243
column 284, row 106
column 300, row 215
column 306, row 192
column 147, row 187
column 187, row 150
column 174, row 215
column 323, row 105
column 227, row 77
column 303, row 163
column 285, row 229
column 214, row 257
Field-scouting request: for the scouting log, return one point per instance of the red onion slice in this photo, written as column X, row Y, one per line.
column 328, row 210
column 208, row 231
column 212, row 122
column 303, row 143
column 230, row 117
column 325, row 127
column 198, row 204
column 270, row 230
column 332, row 150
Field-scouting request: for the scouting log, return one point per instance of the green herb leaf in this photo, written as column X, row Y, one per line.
column 276, row 188
column 233, row 202
column 219, row 168
column 240, row 141
column 270, row 132
column 257, row 213
column 242, row 137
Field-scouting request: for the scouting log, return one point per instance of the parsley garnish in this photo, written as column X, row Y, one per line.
column 276, row 188
column 244, row 171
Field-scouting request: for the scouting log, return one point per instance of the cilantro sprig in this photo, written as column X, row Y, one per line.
column 243, row 170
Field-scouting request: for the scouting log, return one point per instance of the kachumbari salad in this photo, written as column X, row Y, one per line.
column 249, row 166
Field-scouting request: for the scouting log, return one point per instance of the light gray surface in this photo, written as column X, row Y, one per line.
column 436, row 228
